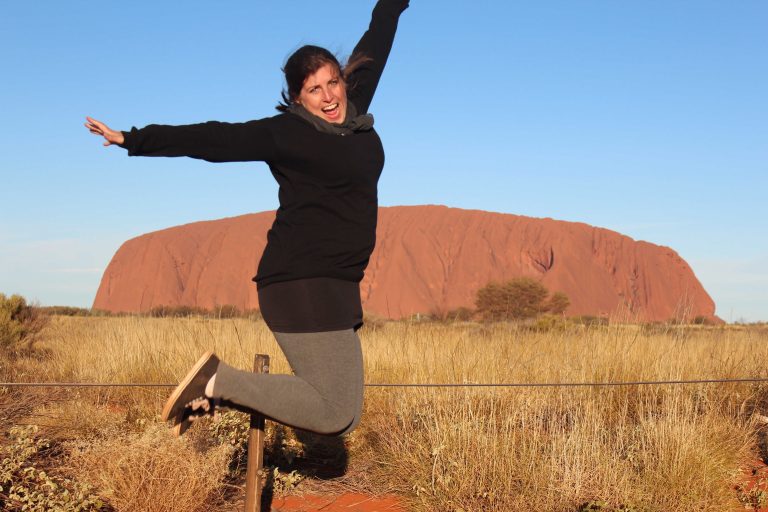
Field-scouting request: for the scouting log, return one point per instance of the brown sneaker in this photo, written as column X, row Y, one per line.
column 192, row 387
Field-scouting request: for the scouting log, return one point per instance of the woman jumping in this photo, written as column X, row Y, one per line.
column 327, row 159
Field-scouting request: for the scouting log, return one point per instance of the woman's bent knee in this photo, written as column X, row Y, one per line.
column 336, row 424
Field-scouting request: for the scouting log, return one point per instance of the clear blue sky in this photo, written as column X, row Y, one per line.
column 649, row 118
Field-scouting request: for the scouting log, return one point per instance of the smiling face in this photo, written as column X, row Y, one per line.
column 324, row 94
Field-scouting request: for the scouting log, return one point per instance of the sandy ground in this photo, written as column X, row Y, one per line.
column 341, row 503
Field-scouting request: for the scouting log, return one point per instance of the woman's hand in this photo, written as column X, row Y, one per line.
column 110, row 136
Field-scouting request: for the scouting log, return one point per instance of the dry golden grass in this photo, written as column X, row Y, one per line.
column 652, row 448
column 663, row 448
column 153, row 472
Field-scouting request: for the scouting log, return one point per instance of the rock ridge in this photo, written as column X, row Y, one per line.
column 428, row 259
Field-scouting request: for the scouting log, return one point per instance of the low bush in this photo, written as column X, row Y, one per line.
column 702, row 320
column 152, row 471
column 548, row 323
column 20, row 323
column 25, row 486
column 591, row 321
column 518, row 299
column 175, row 311
column 223, row 311
column 460, row 314
column 65, row 311
column 557, row 303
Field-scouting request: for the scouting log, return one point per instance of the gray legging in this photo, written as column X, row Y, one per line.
column 325, row 393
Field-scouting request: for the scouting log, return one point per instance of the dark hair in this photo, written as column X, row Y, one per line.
column 306, row 61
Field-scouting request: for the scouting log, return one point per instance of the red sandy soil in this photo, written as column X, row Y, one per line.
column 342, row 503
column 754, row 482
column 755, row 479
column 428, row 259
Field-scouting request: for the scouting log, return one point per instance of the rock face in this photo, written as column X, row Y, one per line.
column 428, row 259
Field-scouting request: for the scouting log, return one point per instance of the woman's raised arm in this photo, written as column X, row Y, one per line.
column 213, row 141
column 375, row 44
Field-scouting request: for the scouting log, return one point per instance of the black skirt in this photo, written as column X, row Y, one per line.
column 317, row 304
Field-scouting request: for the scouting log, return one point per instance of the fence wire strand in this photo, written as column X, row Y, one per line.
column 416, row 385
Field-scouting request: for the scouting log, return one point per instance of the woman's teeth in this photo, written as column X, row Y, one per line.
column 330, row 108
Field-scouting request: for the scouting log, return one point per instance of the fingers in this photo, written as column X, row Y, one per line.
column 94, row 129
column 94, row 123
column 101, row 129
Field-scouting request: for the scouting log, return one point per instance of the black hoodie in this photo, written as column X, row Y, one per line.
column 326, row 223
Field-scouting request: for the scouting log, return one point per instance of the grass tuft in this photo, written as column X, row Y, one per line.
column 153, row 471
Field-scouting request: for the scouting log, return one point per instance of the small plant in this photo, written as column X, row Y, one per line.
column 558, row 303
column 549, row 323
column 20, row 323
column 460, row 314
column 25, row 487
column 702, row 320
column 591, row 321
column 752, row 494
column 284, row 483
column 231, row 428
column 225, row 311
column 176, row 311
column 65, row 311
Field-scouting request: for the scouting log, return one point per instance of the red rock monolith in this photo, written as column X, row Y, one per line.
column 428, row 259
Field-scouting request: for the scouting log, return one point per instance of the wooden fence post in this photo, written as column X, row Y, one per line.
column 254, row 480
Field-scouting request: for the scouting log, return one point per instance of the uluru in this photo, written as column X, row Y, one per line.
column 428, row 259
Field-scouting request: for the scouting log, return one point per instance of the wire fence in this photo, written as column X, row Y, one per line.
column 417, row 385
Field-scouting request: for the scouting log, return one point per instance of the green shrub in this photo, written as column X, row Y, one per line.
column 558, row 303
column 227, row 311
column 20, row 323
column 460, row 314
column 591, row 320
column 702, row 320
column 549, row 323
column 24, row 486
column 65, row 311
column 224, row 311
column 176, row 311
column 518, row 299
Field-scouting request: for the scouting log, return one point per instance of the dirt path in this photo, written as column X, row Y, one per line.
column 341, row 503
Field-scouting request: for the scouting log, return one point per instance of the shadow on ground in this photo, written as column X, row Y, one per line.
column 309, row 455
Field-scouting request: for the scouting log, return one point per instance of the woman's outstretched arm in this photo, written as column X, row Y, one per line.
column 213, row 141
column 375, row 44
